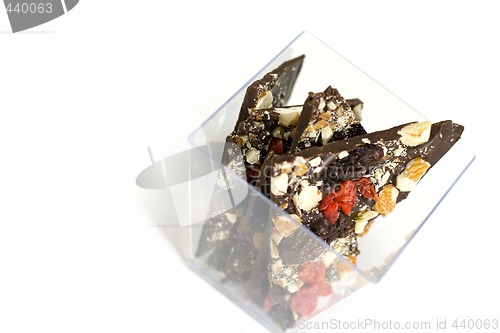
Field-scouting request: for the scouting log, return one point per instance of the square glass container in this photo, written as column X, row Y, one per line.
column 230, row 222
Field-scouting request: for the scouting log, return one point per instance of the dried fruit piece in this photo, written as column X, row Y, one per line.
column 312, row 272
column 329, row 208
column 387, row 200
column 276, row 146
column 304, row 301
column 322, row 289
column 367, row 190
column 267, row 304
column 346, row 196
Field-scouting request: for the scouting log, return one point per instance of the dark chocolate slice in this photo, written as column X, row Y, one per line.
column 330, row 187
column 326, row 117
column 273, row 90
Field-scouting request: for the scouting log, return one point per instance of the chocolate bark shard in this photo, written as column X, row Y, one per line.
column 273, row 90
column 264, row 130
column 326, row 117
column 301, row 181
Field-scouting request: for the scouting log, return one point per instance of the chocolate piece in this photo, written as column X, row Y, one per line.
column 326, row 117
column 273, row 90
column 357, row 166
column 264, row 130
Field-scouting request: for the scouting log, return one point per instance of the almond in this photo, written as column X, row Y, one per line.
column 279, row 184
column 416, row 133
column 265, row 100
column 414, row 171
column 387, row 200
column 285, row 226
column 308, row 198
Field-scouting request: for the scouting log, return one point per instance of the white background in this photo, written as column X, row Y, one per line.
column 82, row 96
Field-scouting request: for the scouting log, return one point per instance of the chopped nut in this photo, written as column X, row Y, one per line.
column 253, row 156
column 299, row 160
column 362, row 220
column 277, row 237
column 239, row 141
column 398, row 151
column 344, row 268
column 331, row 106
column 343, row 154
column 326, row 134
column 265, row 100
column 324, row 116
column 308, row 198
column 320, row 124
column 294, row 286
column 285, row 167
column 387, row 200
column 329, row 258
column 289, row 116
column 278, row 132
column 357, row 109
column 277, row 266
column 282, row 282
column 359, row 227
column 301, row 169
column 285, row 226
column 322, row 104
column 315, row 161
column 366, row 140
column 416, row 133
column 274, row 250
column 279, row 184
column 231, row 217
column 414, row 171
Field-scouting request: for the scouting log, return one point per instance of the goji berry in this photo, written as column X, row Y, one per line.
column 312, row 272
column 367, row 190
column 304, row 301
column 346, row 196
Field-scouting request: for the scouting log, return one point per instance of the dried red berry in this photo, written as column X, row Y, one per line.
column 267, row 304
column 367, row 190
column 312, row 272
column 331, row 213
column 346, row 196
column 322, row 288
column 276, row 146
column 304, row 301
